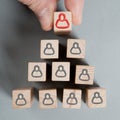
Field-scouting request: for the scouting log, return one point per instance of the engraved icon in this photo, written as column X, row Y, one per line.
column 36, row 73
column 75, row 49
column 20, row 101
column 48, row 100
column 49, row 49
column 60, row 71
column 62, row 22
column 84, row 76
column 72, row 100
column 97, row 99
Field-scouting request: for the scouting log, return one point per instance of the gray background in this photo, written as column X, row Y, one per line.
column 20, row 34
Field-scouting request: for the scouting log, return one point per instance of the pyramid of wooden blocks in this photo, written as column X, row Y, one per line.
column 62, row 22
column 72, row 98
column 22, row 98
column 96, row 97
column 84, row 75
column 75, row 48
column 37, row 71
column 60, row 71
column 49, row 49
column 48, row 98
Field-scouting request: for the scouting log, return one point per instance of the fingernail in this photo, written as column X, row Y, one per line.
column 45, row 18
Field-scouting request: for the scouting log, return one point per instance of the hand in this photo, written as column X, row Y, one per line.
column 44, row 10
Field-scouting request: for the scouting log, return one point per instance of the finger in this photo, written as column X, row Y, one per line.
column 44, row 10
column 76, row 7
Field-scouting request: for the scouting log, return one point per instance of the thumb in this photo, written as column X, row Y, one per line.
column 44, row 10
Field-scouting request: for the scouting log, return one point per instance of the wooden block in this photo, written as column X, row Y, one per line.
column 37, row 71
column 84, row 74
column 72, row 98
column 62, row 22
column 49, row 49
column 96, row 97
column 60, row 71
column 75, row 48
column 48, row 98
column 22, row 98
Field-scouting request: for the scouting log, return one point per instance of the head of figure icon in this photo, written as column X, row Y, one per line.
column 62, row 16
column 75, row 45
column 84, row 71
column 47, row 95
column 72, row 95
column 36, row 68
column 48, row 45
column 60, row 68
column 20, row 96
column 96, row 94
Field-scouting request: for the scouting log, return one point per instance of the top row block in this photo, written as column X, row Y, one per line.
column 62, row 22
column 49, row 49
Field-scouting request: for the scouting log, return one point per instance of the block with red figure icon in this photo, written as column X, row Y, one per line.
column 62, row 22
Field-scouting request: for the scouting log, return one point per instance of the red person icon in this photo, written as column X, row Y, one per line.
column 62, row 22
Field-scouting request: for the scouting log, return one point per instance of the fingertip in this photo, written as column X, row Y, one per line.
column 77, row 20
column 46, row 28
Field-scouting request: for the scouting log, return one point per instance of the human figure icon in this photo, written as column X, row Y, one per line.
column 48, row 100
column 97, row 99
column 36, row 73
column 84, row 76
column 72, row 100
column 60, row 71
column 20, row 101
column 62, row 22
column 75, row 49
column 49, row 49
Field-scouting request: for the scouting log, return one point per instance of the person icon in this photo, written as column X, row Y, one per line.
column 48, row 100
column 62, row 22
column 75, row 49
column 36, row 73
column 49, row 49
column 84, row 76
column 20, row 101
column 60, row 71
column 97, row 99
column 72, row 100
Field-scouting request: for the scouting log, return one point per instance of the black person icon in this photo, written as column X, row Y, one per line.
column 49, row 49
column 72, row 100
column 20, row 101
column 60, row 71
column 75, row 49
column 84, row 76
column 36, row 73
column 48, row 100
column 97, row 99
column 62, row 22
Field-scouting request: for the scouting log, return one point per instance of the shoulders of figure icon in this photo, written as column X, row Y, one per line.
column 97, row 99
column 20, row 100
column 75, row 48
column 84, row 75
column 49, row 49
column 36, row 72
column 60, row 71
column 62, row 22
column 72, row 99
column 48, row 100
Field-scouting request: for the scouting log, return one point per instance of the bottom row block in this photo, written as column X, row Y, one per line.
column 95, row 98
